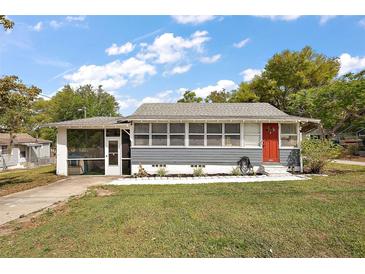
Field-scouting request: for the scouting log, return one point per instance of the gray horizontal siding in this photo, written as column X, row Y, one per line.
column 189, row 156
column 290, row 157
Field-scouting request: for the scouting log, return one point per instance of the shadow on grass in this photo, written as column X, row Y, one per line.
column 13, row 180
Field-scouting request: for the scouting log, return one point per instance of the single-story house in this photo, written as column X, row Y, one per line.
column 26, row 149
column 180, row 137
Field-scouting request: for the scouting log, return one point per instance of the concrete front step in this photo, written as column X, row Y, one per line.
column 276, row 169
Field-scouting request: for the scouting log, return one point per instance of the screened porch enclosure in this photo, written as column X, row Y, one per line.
column 98, row 151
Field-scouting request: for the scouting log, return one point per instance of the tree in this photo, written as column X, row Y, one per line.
column 218, row 97
column 337, row 104
column 190, row 97
column 289, row 72
column 7, row 24
column 69, row 103
column 243, row 94
column 15, row 105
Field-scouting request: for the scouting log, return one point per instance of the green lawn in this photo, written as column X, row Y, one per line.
column 17, row 180
column 322, row 217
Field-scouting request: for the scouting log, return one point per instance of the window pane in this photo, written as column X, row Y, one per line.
column 113, row 132
column 232, row 140
column 141, row 140
column 177, row 128
column 85, row 143
column 196, row 140
column 177, row 140
column 214, row 128
column 252, row 140
column 196, row 128
column 232, row 128
column 214, row 140
column 86, row 167
column 159, row 140
column 252, row 128
column 159, row 128
column 141, row 128
column 288, row 129
column 289, row 141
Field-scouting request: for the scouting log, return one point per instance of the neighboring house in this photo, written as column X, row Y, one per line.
column 26, row 149
column 180, row 137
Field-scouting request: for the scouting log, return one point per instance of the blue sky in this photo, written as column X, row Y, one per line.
column 155, row 58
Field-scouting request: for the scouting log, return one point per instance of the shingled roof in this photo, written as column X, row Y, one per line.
column 93, row 121
column 212, row 111
column 21, row 138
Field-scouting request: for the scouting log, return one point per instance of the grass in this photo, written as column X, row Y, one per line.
column 17, row 180
column 321, row 217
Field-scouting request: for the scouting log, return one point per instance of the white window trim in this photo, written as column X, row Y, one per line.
column 259, row 134
column 205, row 134
column 289, row 134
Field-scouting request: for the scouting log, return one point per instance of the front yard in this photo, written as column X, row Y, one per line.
column 12, row 181
column 322, row 217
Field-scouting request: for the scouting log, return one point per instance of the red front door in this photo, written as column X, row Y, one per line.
column 270, row 143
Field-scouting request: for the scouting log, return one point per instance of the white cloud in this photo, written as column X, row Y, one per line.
column 179, row 70
column 37, row 27
column 281, row 17
column 362, row 23
column 249, row 74
column 55, row 24
column 242, row 43
column 351, row 63
column 123, row 49
column 210, row 59
column 80, row 18
column 325, row 18
column 161, row 97
column 113, row 75
column 227, row 85
column 193, row 19
column 168, row 48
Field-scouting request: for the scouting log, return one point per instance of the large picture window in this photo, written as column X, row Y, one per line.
column 159, row 134
column 196, row 134
column 177, row 134
column 232, row 135
column 252, row 135
column 288, row 135
column 85, row 143
column 141, row 134
column 214, row 134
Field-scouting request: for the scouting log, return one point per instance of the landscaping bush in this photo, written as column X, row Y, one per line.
column 352, row 150
column 161, row 171
column 236, row 171
column 198, row 171
column 317, row 153
column 141, row 172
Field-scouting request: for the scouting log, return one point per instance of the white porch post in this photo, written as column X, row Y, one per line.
column 61, row 151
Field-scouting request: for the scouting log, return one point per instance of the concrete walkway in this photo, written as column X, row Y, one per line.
column 205, row 179
column 22, row 203
column 349, row 162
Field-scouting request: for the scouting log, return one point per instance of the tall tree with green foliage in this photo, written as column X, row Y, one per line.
column 218, row 97
column 190, row 97
column 7, row 23
column 16, row 100
column 243, row 94
column 289, row 72
column 70, row 103
column 337, row 104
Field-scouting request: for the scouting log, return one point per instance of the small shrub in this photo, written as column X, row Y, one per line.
column 352, row 150
column 198, row 171
column 141, row 172
column 161, row 171
column 317, row 153
column 236, row 171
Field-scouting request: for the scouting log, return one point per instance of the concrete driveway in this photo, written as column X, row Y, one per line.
column 22, row 203
column 349, row 162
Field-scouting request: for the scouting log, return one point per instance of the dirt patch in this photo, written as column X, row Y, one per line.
column 102, row 192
